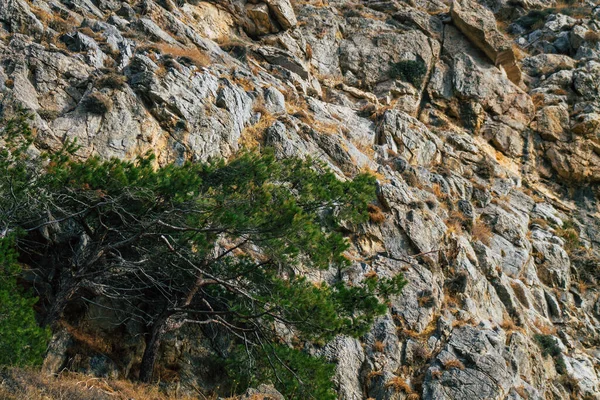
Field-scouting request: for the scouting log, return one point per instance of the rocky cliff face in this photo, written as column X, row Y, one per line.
column 481, row 120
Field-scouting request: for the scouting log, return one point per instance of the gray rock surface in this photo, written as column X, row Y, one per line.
column 487, row 178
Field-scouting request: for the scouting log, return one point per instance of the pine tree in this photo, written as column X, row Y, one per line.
column 226, row 245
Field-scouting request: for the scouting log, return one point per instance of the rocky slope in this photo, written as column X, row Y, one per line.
column 481, row 120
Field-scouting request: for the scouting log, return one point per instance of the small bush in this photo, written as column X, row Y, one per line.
column 535, row 19
column 96, row 103
column 112, row 81
column 426, row 299
column 48, row 115
column 548, row 345
column 570, row 236
column 411, row 71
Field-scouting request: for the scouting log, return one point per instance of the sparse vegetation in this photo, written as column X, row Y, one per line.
column 592, row 36
column 378, row 346
column 482, row 232
column 187, row 55
column 398, row 385
column 411, row 71
column 373, row 375
column 453, row 363
column 31, row 384
column 376, row 216
column 550, row 347
column 96, row 103
column 112, row 81
column 570, row 235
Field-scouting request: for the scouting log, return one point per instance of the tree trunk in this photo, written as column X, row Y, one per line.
column 59, row 303
column 159, row 328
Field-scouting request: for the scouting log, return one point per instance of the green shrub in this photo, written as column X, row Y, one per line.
column 550, row 348
column 548, row 345
column 22, row 341
column 314, row 373
column 411, row 71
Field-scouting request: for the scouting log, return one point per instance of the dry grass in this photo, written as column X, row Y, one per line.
column 413, row 396
column 453, row 363
column 378, row 346
column 254, row 135
column 299, row 108
column 244, row 83
column 482, row 232
column 436, row 189
column 376, row 216
column 373, row 374
column 543, row 328
column 521, row 392
column 583, row 287
column 539, row 100
column 592, row 36
column 539, row 221
column 191, row 55
column 436, row 374
column 509, row 326
column 31, row 384
column 371, row 274
column 398, row 385
column 464, row 322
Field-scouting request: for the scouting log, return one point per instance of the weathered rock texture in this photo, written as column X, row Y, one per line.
column 479, row 25
column 488, row 180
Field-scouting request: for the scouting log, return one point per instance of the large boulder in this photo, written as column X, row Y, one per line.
column 479, row 25
column 283, row 12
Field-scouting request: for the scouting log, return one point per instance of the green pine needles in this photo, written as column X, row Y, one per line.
column 226, row 245
column 22, row 341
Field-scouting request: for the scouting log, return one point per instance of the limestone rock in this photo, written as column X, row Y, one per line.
column 479, row 25
column 259, row 14
column 283, row 12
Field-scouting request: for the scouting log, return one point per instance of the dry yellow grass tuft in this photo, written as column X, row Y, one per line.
column 510, row 326
column 543, row 328
column 371, row 274
column 453, row 363
column 190, row 54
column 592, row 36
column 398, row 385
column 482, row 232
column 436, row 374
column 373, row 374
column 375, row 214
column 378, row 346
column 253, row 136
